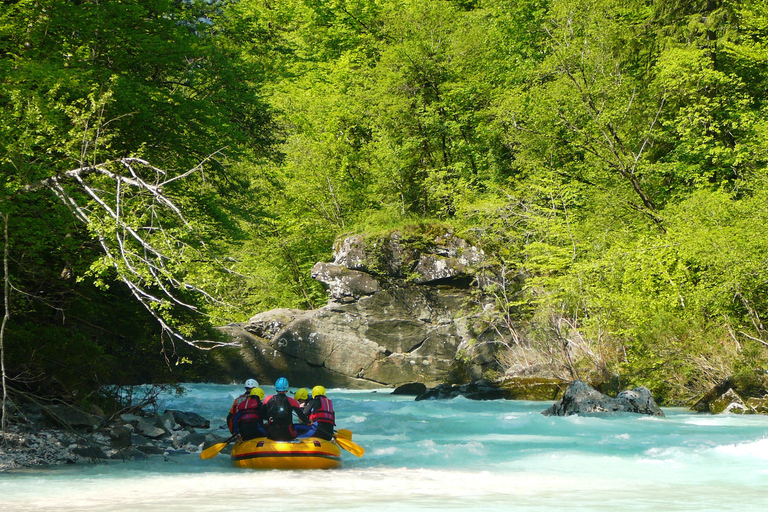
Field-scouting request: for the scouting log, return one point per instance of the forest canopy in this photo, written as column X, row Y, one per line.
column 204, row 155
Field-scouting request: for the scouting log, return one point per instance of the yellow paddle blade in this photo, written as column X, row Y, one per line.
column 212, row 450
column 350, row 446
column 346, row 434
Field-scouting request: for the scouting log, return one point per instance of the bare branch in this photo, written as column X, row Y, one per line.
column 131, row 219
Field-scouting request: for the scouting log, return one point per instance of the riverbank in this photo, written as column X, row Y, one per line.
column 128, row 438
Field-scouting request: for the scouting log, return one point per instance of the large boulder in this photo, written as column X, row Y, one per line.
column 398, row 312
column 189, row 419
column 581, row 398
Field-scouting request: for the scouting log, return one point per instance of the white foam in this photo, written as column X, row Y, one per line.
column 754, row 449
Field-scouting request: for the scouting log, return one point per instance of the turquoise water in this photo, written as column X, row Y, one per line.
column 440, row 455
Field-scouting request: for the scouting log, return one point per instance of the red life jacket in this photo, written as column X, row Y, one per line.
column 248, row 410
column 325, row 413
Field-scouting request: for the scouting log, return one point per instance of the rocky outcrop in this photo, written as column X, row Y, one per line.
column 400, row 309
column 580, row 398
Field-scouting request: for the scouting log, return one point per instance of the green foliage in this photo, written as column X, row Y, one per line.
column 608, row 155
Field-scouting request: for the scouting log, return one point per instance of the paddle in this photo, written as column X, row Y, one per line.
column 349, row 445
column 214, row 449
column 346, row 434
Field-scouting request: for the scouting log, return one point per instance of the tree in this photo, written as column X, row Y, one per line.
column 91, row 94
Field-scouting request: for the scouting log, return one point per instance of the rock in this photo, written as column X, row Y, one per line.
column 211, row 439
column 580, row 398
column 344, row 283
column 440, row 392
column 532, row 388
column 758, row 405
column 131, row 418
column 397, row 313
column 268, row 324
column 120, row 436
column 151, row 449
column 90, row 452
column 729, row 403
column 31, row 444
column 149, row 430
column 190, row 419
column 166, row 422
column 412, row 388
column 750, row 385
column 474, row 391
column 69, row 416
column 198, row 439
column 640, row 401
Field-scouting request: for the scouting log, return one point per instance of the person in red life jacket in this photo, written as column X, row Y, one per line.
column 320, row 412
column 249, row 416
column 250, row 384
column 279, row 408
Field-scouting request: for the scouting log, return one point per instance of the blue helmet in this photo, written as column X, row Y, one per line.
column 281, row 384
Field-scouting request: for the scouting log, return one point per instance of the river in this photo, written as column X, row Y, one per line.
column 439, row 455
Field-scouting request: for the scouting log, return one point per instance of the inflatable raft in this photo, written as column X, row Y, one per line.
column 309, row 453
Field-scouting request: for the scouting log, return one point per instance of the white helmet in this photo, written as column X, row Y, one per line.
column 251, row 383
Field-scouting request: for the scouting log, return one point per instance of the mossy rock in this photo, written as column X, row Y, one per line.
column 747, row 385
column 758, row 405
column 729, row 403
column 533, row 388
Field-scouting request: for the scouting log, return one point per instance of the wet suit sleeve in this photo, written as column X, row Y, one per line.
column 299, row 412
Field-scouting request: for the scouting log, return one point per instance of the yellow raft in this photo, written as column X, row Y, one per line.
column 309, row 453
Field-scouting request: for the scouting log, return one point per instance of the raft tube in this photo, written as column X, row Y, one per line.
column 309, row 453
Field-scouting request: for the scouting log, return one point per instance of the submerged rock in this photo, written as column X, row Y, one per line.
column 581, row 398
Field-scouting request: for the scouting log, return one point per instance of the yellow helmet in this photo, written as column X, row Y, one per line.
column 301, row 394
column 318, row 391
column 258, row 392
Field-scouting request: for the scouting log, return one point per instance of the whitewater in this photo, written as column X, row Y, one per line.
column 438, row 455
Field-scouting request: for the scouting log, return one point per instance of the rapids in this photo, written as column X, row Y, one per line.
column 438, row 455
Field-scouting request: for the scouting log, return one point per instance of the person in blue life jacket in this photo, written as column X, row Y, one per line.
column 320, row 412
column 279, row 409
column 248, row 420
column 301, row 395
column 250, row 384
